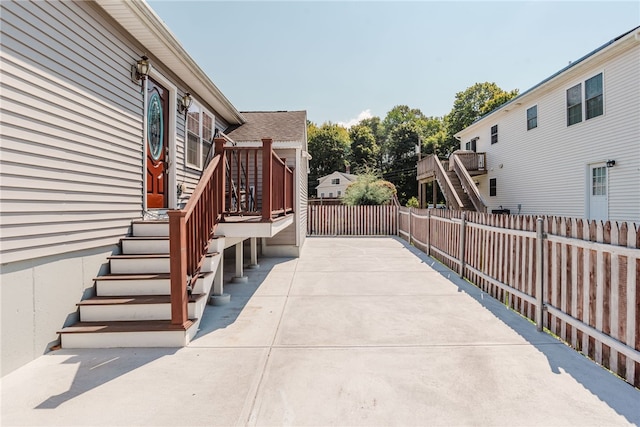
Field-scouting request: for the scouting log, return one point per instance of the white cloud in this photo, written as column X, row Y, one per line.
column 366, row 114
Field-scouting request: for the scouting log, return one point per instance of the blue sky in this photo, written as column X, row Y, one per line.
column 341, row 60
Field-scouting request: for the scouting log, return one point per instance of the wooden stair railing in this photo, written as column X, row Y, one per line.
column 453, row 201
column 242, row 180
column 191, row 229
column 467, row 184
column 277, row 183
column 246, row 194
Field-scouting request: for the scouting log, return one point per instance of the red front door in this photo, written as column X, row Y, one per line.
column 157, row 141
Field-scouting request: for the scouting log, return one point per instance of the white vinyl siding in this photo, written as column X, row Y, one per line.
column 546, row 171
column 71, row 131
column 72, row 155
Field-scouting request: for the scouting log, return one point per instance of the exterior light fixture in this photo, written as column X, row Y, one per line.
column 611, row 163
column 185, row 103
column 140, row 70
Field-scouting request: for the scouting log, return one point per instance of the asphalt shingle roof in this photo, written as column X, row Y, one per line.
column 277, row 125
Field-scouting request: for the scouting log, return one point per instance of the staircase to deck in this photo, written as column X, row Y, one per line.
column 454, row 179
column 132, row 305
column 467, row 204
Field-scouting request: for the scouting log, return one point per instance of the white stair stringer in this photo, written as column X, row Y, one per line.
column 139, row 308
column 132, row 305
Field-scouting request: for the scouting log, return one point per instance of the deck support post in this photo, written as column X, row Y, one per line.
column 239, row 277
column 434, row 193
column 218, row 297
column 254, row 254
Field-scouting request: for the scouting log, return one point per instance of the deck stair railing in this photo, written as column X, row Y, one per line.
column 242, row 170
column 453, row 201
column 231, row 179
column 468, row 184
column 191, row 230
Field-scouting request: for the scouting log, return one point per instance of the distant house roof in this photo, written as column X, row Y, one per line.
column 349, row 176
column 277, row 125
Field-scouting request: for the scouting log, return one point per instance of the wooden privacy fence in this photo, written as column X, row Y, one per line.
column 579, row 279
column 341, row 220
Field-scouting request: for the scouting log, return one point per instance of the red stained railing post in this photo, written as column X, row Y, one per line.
column 178, row 265
column 267, row 178
column 284, row 185
column 222, row 185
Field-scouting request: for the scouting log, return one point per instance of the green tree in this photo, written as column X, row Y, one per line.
column 364, row 149
column 401, row 158
column 470, row 105
column 329, row 148
column 369, row 189
column 413, row 203
column 497, row 100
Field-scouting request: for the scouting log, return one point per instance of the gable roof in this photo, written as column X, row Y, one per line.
column 278, row 125
column 349, row 176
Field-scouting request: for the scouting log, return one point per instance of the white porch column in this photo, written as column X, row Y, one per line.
column 254, row 254
column 239, row 277
column 218, row 297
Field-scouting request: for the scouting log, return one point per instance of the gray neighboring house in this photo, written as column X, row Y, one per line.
column 81, row 141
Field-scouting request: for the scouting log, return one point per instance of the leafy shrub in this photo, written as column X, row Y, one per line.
column 369, row 189
column 413, row 203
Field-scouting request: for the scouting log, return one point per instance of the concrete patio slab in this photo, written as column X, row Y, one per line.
column 442, row 386
column 244, row 322
column 128, row 387
column 394, row 320
column 396, row 283
column 357, row 331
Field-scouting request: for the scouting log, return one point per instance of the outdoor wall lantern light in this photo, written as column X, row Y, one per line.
column 185, row 103
column 611, row 163
column 140, row 70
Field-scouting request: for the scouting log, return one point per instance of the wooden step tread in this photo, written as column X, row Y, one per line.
column 132, row 300
column 142, row 276
column 125, row 326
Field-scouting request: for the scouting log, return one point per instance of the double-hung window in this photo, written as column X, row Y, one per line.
column 200, row 128
column 494, row 134
column 593, row 100
column 532, row 117
column 574, row 105
column 593, row 97
column 335, row 181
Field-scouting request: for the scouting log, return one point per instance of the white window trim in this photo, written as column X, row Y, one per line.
column 537, row 116
column 200, row 144
column 583, row 81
